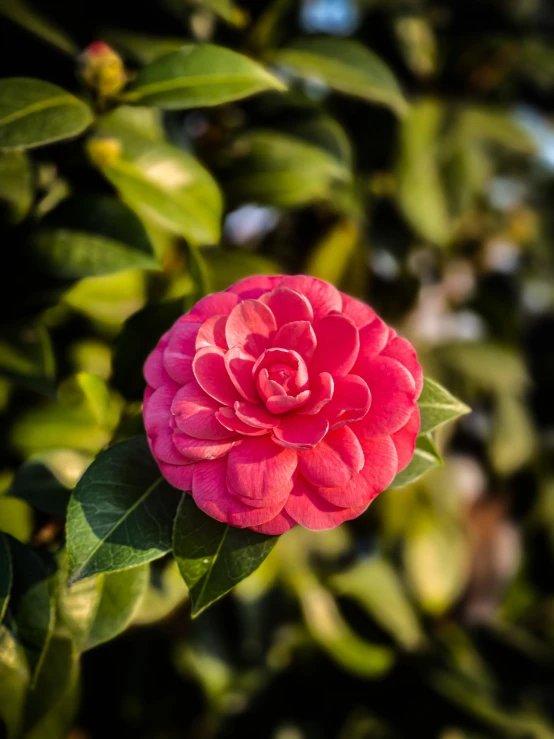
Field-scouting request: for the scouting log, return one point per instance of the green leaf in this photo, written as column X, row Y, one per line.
column 20, row 12
column 426, row 457
column 5, row 575
column 332, row 255
column 163, row 184
column 34, row 113
column 513, row 438
column 437, row 406
column 345, row 66
column 225, row 9
column 27, row 357
column 14, row 681
column 421, row 192
column 277, row 169
column 212, row 556
column 166, row 592
column 30, row 614
column 197, row 76
column 496, row 127
column 121, row 512
column 138, row 337
column 45, row 480
column 94, row 235
column 16, row 183
column 141, row 47
column 377, row 587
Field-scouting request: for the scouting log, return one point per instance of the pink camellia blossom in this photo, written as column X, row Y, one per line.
column 282, row 401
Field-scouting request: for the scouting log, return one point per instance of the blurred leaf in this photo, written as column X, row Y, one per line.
column 437, row 406
column 488, row 366
column 496, row 127
column 436, row 558
column 141, row 47
column 376, row 587
column 16, row 518
column 5, row 575
column 421, row 192
column 94, row 235
column 346, row 66
column 165, row 593
column 16, row 183
column 331, row 257
column 326, row 133
column 14, row 679
column 121, row 512
column 34, row 113
column 226, row 266
column 426, row 457
column 52, row 703
column 110, row 298
column 45, row 480
column 138, row 337
column 164, row 184
column 25, row 15
column 197, row 76
column 513, row 438
column 27, row 357
column 280, row 170
column 417, row 43
column 30, row 614
column 225, row 9
column 212, row 556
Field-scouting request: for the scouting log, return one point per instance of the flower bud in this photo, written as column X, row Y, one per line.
column 103, row 150
column 102, row 69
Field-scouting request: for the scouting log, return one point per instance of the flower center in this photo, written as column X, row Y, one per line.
column 284, row 376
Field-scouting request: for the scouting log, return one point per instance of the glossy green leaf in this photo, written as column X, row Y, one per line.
column 45, row 480
column 426, row 457
column 166, row 592
column 30, row 613
column 137, row 339
column 375, row 585
column 5, row 575
column 197, row 76
column 437, row 406
column 212, row 556
column 421, row 192
column 345, row 66
column 163, row 184
column 94, row 235
column 281, row 170
column 121, row 512
column 16, row 183
column 29, row 18
column 34, row 113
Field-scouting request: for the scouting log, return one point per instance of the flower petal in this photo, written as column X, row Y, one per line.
column 180, row 476
column 401, row 350
column 251, row 326
column 258, row 468
column 210, row 493
column 405, row 440
column 179, row 352
column 373, row 339
column 360, row 313
column 277, row 526
column 212, row 333
column 321, row 391
column 312, row 511
column 288, row 305
column 351, row 401
column 377, row 474
column 253, row 287
column 195, row 414
column 285, row 403
column 301, row 432
column 298, row 335
column 228, row 417
column 323, row 297
column 154, row 370
column 212, row 376
column 393, row 397
column 217, row 304
column 338, row 344
column 240, row 366
column 197, row 450
column 157, row 411
column 334, row 461
column 256, row 415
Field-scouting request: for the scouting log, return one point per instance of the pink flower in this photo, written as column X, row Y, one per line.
column 280, row 402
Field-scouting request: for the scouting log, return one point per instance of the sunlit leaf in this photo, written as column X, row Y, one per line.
column 14, row 680
column 346, row 66
column 121, row 512
column 92, row 235
column 212, row 556
column 197, row 76
column 332, row 255
column 34, row 113
column 437, row 406
column 426, row 457
column 166, row 592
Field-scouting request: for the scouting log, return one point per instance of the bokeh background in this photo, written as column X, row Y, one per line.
column 433, row 614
